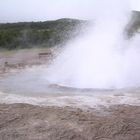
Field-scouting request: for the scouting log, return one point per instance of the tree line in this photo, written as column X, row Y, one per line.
column 50, row 33
column 32, row 34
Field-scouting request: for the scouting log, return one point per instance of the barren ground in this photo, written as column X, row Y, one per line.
column 28, row 122
column 17, row 59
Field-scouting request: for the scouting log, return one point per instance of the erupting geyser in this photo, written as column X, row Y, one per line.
column 103, row 58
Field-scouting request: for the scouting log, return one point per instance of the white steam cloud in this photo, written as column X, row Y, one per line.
column 103, row 58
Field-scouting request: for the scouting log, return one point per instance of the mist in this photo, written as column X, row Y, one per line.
column 103, row 57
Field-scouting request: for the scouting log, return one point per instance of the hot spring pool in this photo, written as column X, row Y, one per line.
column 30, row 86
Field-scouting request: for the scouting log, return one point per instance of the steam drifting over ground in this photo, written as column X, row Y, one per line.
column 103, row 58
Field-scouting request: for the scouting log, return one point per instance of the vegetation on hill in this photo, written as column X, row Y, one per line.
column 134, row 24
column 32, row 34
column 49, row 33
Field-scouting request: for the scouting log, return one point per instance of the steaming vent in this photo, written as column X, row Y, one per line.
column 102, row 58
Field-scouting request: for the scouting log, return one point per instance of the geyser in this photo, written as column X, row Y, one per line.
column 103, row 58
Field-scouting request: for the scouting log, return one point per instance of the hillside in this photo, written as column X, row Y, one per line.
column 49, row 33
column 134, row 24
column 32, row 34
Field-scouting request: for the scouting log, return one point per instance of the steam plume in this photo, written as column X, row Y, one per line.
column 103, row 58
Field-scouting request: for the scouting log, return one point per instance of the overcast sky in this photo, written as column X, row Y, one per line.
column 40, row 10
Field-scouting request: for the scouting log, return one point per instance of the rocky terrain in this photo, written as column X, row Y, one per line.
column 27, row 122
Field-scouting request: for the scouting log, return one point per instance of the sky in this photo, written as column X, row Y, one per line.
column 41, row 10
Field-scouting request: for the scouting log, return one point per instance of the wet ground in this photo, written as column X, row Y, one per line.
column 32, row 109
column 29, row 85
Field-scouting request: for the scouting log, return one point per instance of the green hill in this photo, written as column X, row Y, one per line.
column 32, row 34
column 134, row 24
column 49, row 33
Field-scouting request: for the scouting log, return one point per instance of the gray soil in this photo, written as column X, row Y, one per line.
column 18, row 59
column 27, row 122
